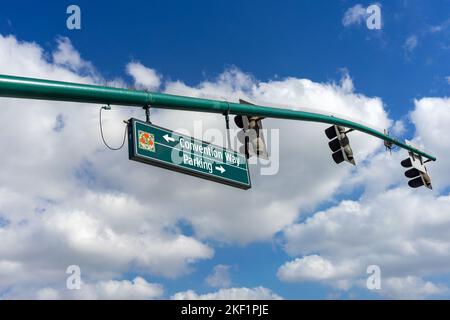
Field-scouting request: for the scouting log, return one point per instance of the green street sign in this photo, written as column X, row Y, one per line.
column 167, row 149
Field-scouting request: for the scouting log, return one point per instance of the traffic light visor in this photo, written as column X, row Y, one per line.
column 331, row 132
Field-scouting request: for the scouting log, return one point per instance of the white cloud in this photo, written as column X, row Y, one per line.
column 448, row 79
column 309, row 267
column 144, row 77
column 64, row 189
column 403, row 231
column 137, row 289
column 29, row 60
column 65, row 55
column 411, row 43
column 354, row 15
column 257, row 293
column 398, row 128
column 102, row 243
column 48, row 294
column 220, row 278
column 411, row 288
column 431, row 117
column 94, row 208
column 347, row 82
column 315, row 268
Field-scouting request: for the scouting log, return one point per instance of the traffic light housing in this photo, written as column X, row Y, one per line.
column 340, row 144
column 251, row 135
column 417, row 172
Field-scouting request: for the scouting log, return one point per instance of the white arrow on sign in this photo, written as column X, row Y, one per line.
column 167, row 138
column 221, row 169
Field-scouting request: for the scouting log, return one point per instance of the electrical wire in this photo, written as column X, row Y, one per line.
column 101, row 132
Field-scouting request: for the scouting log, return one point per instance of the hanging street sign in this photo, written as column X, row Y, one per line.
column 167, row 149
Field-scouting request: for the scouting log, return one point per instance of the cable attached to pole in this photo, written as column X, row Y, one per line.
column 227, row 125
column 101, row 131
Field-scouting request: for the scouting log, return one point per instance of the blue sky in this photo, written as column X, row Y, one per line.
column 271, row 40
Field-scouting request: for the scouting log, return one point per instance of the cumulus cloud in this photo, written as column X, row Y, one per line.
column 65, row 190
column 398, row 128
column 431, row 117
column 65, row 55
column 136, row 289
column 403, row 231
column 411, row 287
column 144, row 78
column 94, row 208
column 347, row 82
column 315, row 268
column 100, row 247
column 258, row 293
column 220, row 277
column 396, row 231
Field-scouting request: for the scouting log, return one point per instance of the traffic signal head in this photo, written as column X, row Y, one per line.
column 340, row 144
column 417, row 172
column 251, row 136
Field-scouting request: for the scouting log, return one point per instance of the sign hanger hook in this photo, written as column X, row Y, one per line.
column 147, row 113
column 227, row 124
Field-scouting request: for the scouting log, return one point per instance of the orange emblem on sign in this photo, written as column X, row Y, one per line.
column 146, row 141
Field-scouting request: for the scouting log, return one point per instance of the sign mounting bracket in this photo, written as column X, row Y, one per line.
column 147, row 113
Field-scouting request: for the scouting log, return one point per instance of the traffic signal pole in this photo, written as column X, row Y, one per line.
column 30, row 88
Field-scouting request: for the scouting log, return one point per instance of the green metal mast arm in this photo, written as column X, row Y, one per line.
column 29, row 88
